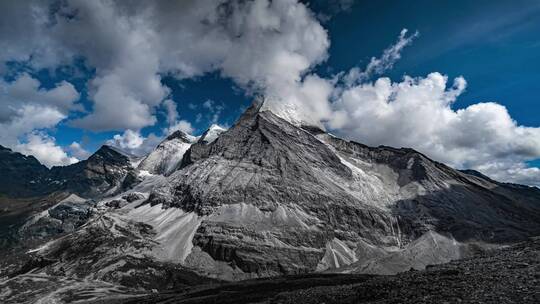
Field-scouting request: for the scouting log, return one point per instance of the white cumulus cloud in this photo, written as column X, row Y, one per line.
column 77, row 150
column 44, row 148
column 262, row 45
column 181, row 125
column 267, row 48
column 418, row 113
column 133, row 142
column 27, row 107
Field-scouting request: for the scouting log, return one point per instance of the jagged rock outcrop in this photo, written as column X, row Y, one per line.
column 63, row 217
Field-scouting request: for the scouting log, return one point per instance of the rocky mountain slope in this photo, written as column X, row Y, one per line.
column 273, row 198
column 264, row 198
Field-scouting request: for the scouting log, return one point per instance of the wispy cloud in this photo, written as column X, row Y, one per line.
column 379, row 65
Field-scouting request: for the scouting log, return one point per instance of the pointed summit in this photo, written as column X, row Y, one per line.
column 167, row 156
column 290, row 111
column 104, row 173
column 110, row 151
column 181, row 136
column 211, row 134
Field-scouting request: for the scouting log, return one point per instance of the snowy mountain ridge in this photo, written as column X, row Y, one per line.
column 211, row 134
column 166, row 157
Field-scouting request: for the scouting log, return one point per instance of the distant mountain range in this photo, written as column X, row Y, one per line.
column 106, row 171
column 265, row 198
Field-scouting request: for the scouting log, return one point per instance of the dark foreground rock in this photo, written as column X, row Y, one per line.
column 509, row 275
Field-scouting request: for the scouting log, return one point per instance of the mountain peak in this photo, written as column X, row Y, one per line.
column 216, row 126
column 289, row 111
column 112, row 154
column 212, row 134
column 110, row 149
column 166, row 157
column 182, row 136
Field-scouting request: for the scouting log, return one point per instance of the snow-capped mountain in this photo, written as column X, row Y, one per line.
column 211, row 134
column 264, row 198
column 168, row 154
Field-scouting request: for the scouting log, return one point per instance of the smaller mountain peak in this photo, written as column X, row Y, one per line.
column 2, row 148
column 180, row 135
column 212, row 134
column 290, row 111
column 216, row 127
column 108, row 150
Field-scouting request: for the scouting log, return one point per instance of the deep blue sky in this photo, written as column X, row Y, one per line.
column 495, row 45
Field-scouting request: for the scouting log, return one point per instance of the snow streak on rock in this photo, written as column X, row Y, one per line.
column 174, row 230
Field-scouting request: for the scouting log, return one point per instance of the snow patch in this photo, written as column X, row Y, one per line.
column 73, row 198
column 165, row 158
column 212, row 133
column 39, row 249
column 290, row 112
column 337, row 254
column 174, row 230
column 144, row 173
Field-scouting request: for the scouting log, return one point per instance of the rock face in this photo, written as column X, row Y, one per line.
column 64, row 217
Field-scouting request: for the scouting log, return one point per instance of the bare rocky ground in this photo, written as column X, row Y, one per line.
column 508, row 275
